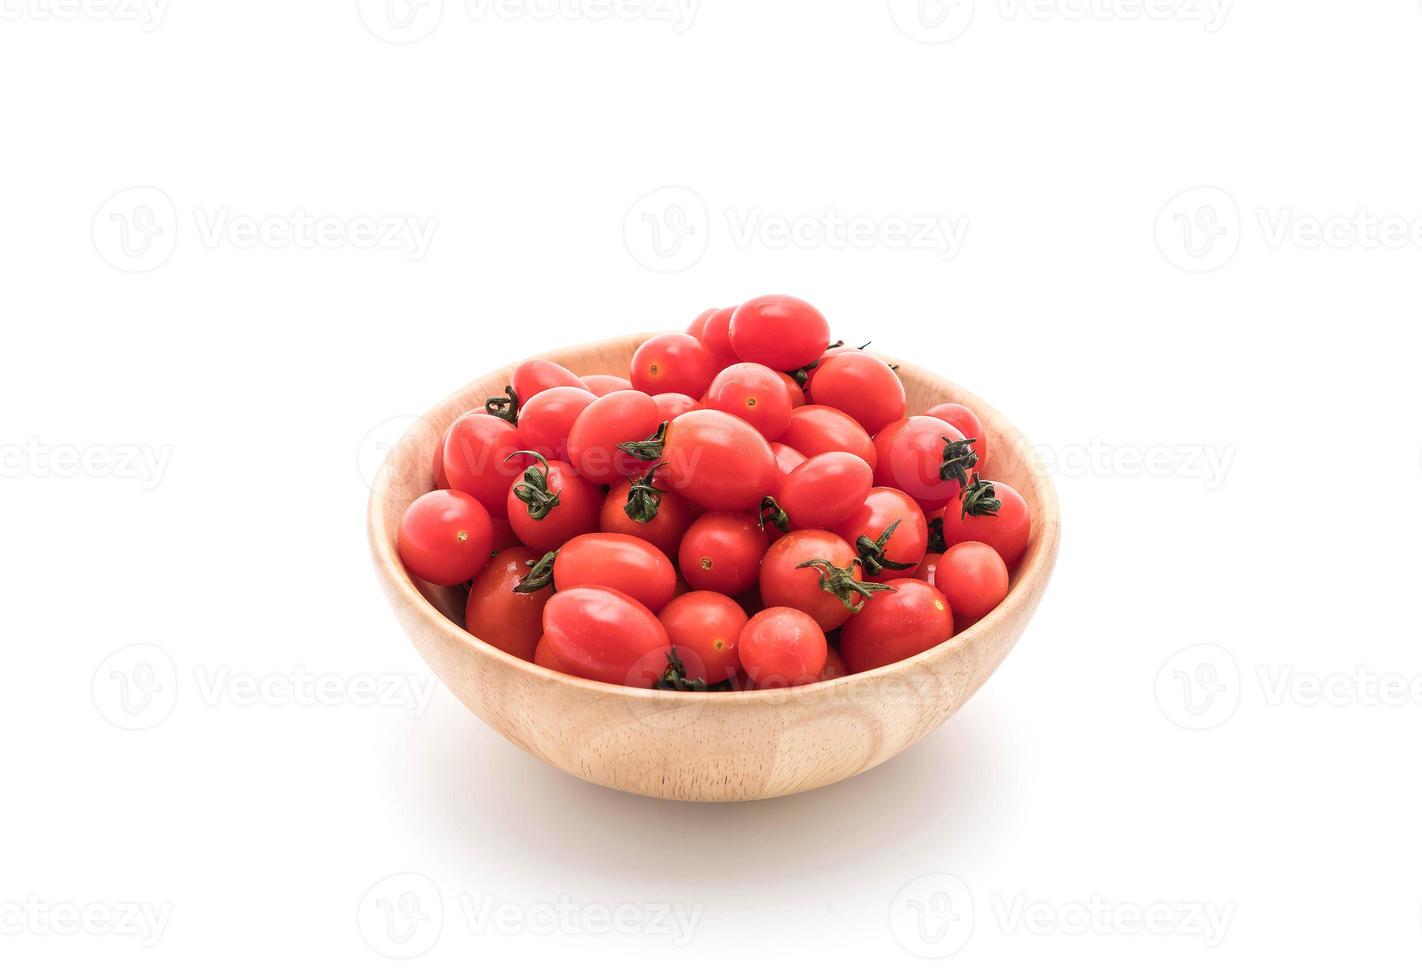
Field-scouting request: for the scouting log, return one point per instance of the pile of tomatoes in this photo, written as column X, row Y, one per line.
column 750, row 508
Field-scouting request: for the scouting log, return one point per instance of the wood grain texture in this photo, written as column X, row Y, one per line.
column 715, row 747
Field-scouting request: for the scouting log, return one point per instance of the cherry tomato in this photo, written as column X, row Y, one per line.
column 792, row 387
column 713, row 459
column 551, row 504
column 973, row 578
column 644, row 510
column 815, row 572
column 672, row 362
column 440, row 482
column 532, row 377
column 603, row 635
column 698, row 326
column 722, row 552
column 612, row 419
column 834, row 666
column 504, row 537
column 605, row 384
column 816, row 429
column 860, row 385
column 926, row 458
column 786, row 460
column 754, row 393
column 495, row 613
column 825, row 490
column 671, row 404
column 710, row 624
column 445, row 537
column 965, row 421
column 889, row 534
column 782, row 647
column 545, row 420
column 896, row 626
column 476, row 459
column 616, row 561
column 993, row 513
column 716, row 335
column 779, row 331
column 928, row 568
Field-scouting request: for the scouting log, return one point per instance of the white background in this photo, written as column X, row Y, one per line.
column 1267, row 380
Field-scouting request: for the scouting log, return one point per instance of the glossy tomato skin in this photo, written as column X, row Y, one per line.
column 664, row 531
column 603, row 635
column 709, row 623
column 825, row 490
column 911, row 459
column 786, row 461
column 476, row 459
column 793, row 389
column 532, row 377
column 779, row 331
column 834, row 666
column 621, row 416
column 717, row 461
column 546, row 419
column 1008, row 531
column 495, row 613
column 716, row 335
column 444, row 537
column 782, row 647
column 440, row 481
column 817, row 429
column 672, row 363
column 860, row 385
column 965, row 421
column 754, row 393
column 577, row 511
column 672, row 404
column 973, row 578
column 895, row 626
column 883, row 506
column 721, row 552
column 605, row 384
column 616, row 561
column 504, row 537
column 783, row 583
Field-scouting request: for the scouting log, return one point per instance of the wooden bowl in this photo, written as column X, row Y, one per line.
column 742, row 745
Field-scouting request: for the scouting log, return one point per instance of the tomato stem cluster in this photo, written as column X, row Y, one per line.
column 774, row 513
column 841, row 583
column 959, row 458
column 505, row 408
column 649, row 448
column 980, row 499
column 540, row 574
column 533, row 491
column 643, row 499
column 674, row 677
column 871, row 552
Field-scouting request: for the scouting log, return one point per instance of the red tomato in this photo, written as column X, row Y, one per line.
column 642, row 509
column 962, row 418
column 673, row 362
column 532, row 377
column 476, row 459
column 605, row 384
column 896, row 626
column 815, row 572
column 926, row 458
column 445, row 537
column 504, row 537
column 603, row 635
column 616, row 561
column 754, row 393
column 973, row 578
column 825, row 490
column 698, row 326
column 792, row 387
column 779, row 331
column 716, row 335
column 551, row 505
column 545, row 420
column 612, row 419
column 495, row 613
column 860, row 385
column 672, row 403
column 889, row 534
column 713, row 459
column 440, row 483
column 722, row 552
column 928, row 569
column 710, row 624
column 992, row 513
column 834, row 666
column 782, row 647
column 816, row 429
